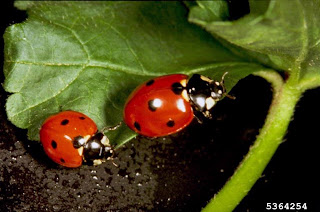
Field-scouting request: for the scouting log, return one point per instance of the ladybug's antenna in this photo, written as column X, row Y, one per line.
column 106, row 129
column 224, row 88
column 222, row 82
column 112, row 128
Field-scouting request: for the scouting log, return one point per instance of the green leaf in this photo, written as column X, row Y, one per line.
column 208, row 11
column 258, row 7
column 287, row 32
column 89, row 56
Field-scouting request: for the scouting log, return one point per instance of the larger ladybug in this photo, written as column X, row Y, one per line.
column 70, row 137
column 167, row 104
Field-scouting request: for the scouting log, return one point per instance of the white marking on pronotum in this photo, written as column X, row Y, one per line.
column 205, row 78
column 200, row 101
column 185, row 95
column 105, row 141
column 84, row 140
column 80, row 151
column 210, row 103
column 183, row 82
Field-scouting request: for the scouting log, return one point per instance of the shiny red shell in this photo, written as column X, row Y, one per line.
column 154, row 109
column 57, row 133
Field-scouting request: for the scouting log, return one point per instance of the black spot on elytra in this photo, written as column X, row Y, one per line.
column 170, row 123
column 137, row 126
column 62, row 160
column 54, row 144
column 177, row 88
column 151, row 106
column 149, row 82
column 65, row 122
column 82, row 118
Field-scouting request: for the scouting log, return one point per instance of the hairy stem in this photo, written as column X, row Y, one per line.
column 285, row 97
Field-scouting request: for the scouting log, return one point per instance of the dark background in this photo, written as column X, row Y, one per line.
column 177, row 173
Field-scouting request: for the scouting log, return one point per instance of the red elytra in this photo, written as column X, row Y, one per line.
column 154, row 109
column 58, row 132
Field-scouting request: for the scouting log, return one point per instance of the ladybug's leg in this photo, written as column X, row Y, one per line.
column 200, row 117
column 112, row 161
column 230, row 97
column 108, row 150
column 111, row 157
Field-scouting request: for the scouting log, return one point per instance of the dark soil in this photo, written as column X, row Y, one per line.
column 177, row 173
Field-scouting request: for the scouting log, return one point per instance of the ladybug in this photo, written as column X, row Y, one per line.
column 167, row 104
column 70, row 137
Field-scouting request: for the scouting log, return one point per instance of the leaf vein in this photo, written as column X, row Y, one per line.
column 53, row 96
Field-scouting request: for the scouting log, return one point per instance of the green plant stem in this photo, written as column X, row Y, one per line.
column 285, row 97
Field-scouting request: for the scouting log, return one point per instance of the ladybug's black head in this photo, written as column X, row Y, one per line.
column 204, row 93
column 95, row 149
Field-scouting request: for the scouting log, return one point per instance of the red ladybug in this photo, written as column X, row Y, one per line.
column 71, row 137
column 167, row 104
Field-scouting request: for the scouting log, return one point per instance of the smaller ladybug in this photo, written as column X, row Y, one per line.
column 70, row 137
column 167, row 104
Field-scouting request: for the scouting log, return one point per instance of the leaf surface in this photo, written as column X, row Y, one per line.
column 89, row 56
column 286, row 32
